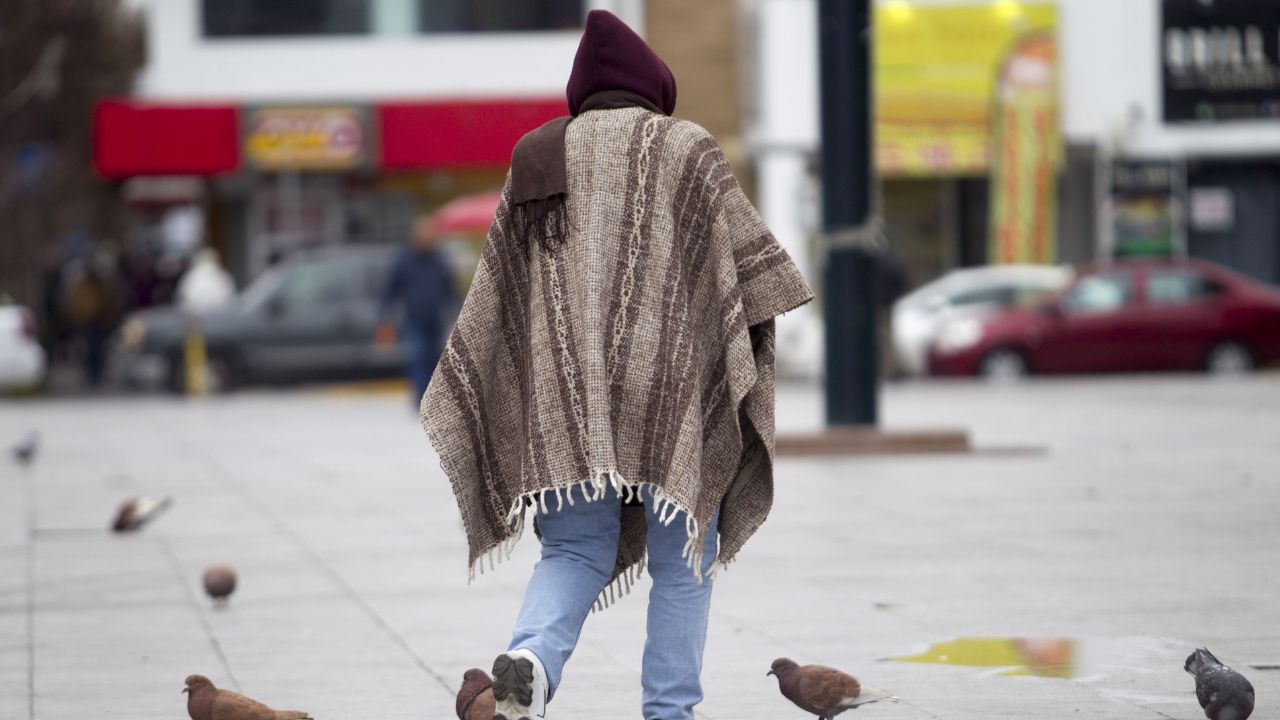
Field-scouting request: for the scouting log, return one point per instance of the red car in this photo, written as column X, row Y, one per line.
column 1129, row 316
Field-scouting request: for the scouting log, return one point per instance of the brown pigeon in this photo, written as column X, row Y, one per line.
column 823, row 691
column 475, row 697
column 219, row 581
column 136, row 512
column 206, row 702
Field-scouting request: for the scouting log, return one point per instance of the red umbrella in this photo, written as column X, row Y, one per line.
column 469, row 213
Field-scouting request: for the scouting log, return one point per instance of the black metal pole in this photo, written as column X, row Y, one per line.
column 850, row 273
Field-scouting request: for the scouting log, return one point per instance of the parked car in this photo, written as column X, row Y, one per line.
column 965, row 293
column 312, row 317
column 1132, row 316
column 22, row 359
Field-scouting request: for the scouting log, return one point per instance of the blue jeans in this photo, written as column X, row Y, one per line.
column 425, row 348
column 579, row 548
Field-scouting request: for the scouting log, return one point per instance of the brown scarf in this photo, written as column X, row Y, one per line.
column 539, row 179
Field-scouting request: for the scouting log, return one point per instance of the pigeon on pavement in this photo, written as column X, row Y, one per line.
column 475, row 697
column 24, row 453
column 136, row 512
column 219, row 581
column 823, row 691
column 206, row 702
column 1223, row 693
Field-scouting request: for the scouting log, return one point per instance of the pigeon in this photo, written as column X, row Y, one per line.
column 206, row 702
column 1223, row 693
column 24, row 453
column 475, row 697
column 136, row 512
column 823, row 691
column 219, row 581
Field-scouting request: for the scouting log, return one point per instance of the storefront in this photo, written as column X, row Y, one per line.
column 967, row 133
column 1220, row 68
column 271, row 179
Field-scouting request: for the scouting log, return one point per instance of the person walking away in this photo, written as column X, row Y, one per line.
column 93, row 307
column 613, row 369
column 205, row 286
column 422, row 284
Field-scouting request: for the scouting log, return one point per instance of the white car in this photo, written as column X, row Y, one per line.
column 919, row 316
column 22, row 360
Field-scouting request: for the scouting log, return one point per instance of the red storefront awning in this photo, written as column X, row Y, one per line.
column 137, row 139
column 476, row 133
column 132, row 139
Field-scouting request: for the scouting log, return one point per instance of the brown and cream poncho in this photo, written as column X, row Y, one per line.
column 637, row 354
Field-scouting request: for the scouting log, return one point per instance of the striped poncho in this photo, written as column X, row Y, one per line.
column 638, row 354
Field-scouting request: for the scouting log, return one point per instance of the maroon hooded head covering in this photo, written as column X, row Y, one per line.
column 613, row 69
column 611, row 56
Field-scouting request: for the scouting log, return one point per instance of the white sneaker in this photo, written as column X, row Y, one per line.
column 519, row 686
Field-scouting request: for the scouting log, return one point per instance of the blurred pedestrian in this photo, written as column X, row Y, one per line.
column 205, row 286
column 613, row 368
column 93, row 307
column 421, row 288
column 891, row 284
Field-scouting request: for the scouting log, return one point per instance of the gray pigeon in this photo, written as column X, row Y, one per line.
column 1223, row 693
column 24, row 453
column 823, row 691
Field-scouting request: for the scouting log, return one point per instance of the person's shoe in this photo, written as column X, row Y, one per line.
column 519, row 686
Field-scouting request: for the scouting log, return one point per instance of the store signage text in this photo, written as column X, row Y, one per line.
column 330, row 138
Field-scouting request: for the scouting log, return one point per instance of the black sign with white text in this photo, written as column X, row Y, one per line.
column 1220, row 60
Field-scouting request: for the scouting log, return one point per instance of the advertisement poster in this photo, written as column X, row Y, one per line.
column 938, row 69
column 305, row 138
column 1145, row 207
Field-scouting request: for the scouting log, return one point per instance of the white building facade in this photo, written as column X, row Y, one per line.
column 284, row 124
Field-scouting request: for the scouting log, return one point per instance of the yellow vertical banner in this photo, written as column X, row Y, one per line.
column 1025, row 151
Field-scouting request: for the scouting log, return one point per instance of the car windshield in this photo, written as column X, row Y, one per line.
column 261, row 289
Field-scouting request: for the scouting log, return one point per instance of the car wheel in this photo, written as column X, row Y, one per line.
column 1229, row 358
column 1004, row 365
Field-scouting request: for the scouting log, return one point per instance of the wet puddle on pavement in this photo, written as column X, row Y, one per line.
column 1042, row 656
column 1145, row 671
column 1100, row 661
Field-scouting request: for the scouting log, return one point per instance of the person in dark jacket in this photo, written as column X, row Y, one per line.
column 423, row 285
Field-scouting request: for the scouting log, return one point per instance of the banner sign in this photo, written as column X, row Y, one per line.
column 937, row 73
column 1024, row 187
column 306, row 138
column 1220, row 60
column 1146, row 207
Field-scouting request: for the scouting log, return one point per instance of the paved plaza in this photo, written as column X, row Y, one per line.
column 1148, row 525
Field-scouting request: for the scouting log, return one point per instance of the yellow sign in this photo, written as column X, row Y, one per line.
column 327, row 138
column 937, row 73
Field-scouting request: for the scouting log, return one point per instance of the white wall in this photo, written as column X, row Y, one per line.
column 182, row 65
column 1111, row 86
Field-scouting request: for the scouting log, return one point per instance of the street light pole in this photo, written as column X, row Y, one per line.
column 849, row 278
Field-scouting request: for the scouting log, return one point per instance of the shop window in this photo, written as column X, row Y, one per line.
column 265, row 18
column 499, row 15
